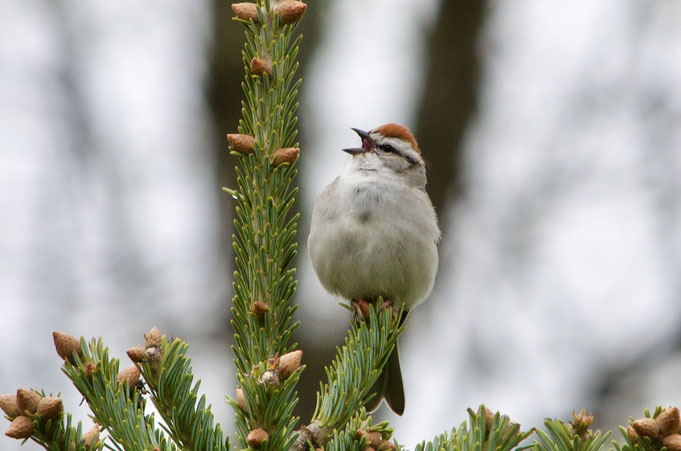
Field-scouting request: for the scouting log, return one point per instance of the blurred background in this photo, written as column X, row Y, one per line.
column 553, row 133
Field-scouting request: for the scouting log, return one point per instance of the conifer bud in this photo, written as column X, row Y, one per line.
column 373, row 438
column 27, row 400
column 290, row 11
column 246, row 11
column 50, row 408
column 669, row 421
column 646, row 427
column 289, row 363
column 269, row 377
column 631, row 433
column 241, row 143
column 90, row 369
column 241, row 399
column 137, row 354
column 152, row 338
column 256, row 437
column 66, row 346
column 672, row 442
column 259, row 66
column 131, row 375
column 8, row 404
column 91, row 437
column 21, row 427
column 259, row 308
column 489, row 419
column 286, row 155
column 581, row 421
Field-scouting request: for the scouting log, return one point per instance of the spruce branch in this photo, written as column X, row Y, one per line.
column 39, row 417
column 575, row 436
column 352, row 374
column 264, row 242
column 653, row 432
column 114, row 398
column 360, row 434
column 168, row 374
column 485, row 430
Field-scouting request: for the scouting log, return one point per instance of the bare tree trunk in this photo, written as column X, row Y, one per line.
column 450, row 95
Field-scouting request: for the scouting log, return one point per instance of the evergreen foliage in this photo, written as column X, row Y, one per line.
column 265, row 244
column 171, row 385
column 484, row 431
column 356, row 368
column 117, row 407
column 569, row 437
column 268, row 365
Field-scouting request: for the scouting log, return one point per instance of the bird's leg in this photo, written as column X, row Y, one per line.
column 388, row 303
column 361, row 308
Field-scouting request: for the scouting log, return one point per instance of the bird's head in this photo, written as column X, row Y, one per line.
column 390, row 146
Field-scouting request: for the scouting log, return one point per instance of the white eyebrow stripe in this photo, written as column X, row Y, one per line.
column 401, row 146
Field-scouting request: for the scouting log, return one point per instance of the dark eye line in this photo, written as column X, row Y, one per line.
column 390, row 149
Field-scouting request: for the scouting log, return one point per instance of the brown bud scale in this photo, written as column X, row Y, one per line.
column 256, row 437
column 289, row 363
column 131, row 375
column 286, row 155
column 27, row 400
column 21, row 427
column 50, row 408
column 646, row 427
column 672, row 442
column 90, row 369
column 489, row 419
column 290, row 11
column 91, row 437
column 669, row 421
column 259, row 66
column 241, row 399
column 137, row 354
column 259, row 308
column 241, row 143
column 66, row 346
column 8, row 404
column 246, row 11
column 373, row 438
column 152, row 338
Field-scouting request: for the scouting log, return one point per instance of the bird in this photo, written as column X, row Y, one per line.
column 374, row 233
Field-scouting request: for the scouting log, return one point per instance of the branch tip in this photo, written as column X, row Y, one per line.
column 66, row 346
column 246, row 11
column 256, row 437
column 20, row 428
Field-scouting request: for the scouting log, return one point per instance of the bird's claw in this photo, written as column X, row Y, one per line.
column 361, row 307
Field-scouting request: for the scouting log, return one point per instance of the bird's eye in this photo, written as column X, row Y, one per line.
column 388, row 148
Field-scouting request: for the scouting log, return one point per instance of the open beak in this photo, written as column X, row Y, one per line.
column 366, row 143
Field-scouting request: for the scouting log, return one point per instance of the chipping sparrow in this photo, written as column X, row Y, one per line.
column 374, row 233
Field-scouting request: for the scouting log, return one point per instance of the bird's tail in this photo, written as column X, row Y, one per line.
column 389, row 386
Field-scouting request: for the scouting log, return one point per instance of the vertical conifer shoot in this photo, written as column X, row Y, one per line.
column 267, row 366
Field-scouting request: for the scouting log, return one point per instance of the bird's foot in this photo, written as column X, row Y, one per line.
column 361, row 308
column 386, row 303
